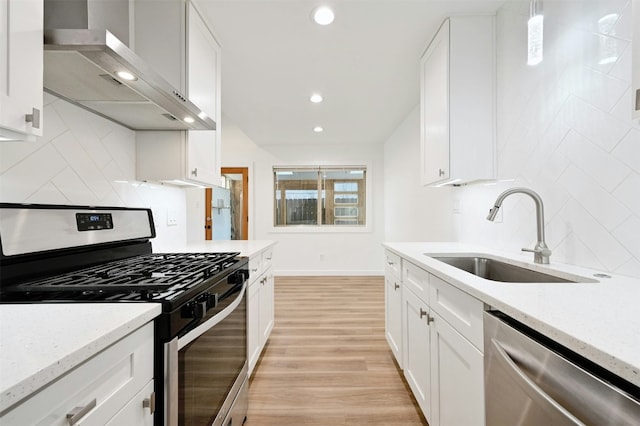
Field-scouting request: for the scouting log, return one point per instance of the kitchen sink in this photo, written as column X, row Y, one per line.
column 495, row 270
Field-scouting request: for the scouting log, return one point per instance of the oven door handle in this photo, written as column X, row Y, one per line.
column 193, row 334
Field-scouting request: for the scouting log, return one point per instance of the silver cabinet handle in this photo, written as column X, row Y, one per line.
column 194, row 172
column 150, row 403
column 396, row 286
column 440, row 172
column 33, row 118
column 638, row 100
column 430, row 319
column 78, row 413
column 529, row 386
column 390, row 263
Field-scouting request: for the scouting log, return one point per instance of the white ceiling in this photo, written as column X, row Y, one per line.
column 365, row 64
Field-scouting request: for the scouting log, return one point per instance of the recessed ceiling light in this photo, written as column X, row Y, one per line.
column 316, row 98
column 126, row 75
column 318, row 129
column 323, row 15
column 189, row 120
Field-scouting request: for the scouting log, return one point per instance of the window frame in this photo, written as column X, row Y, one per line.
column 326, row 228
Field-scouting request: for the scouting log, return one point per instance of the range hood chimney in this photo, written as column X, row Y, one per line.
column 87, row 62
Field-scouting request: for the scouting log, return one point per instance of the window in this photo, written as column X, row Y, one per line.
column 320, row 195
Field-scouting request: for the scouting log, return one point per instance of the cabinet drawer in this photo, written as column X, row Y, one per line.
column 267, row 257
column 255, row 267
column 462, row 311
column 111, row 378
column 392, row 264
column 417, row 279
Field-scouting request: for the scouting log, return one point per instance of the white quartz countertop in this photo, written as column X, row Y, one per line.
column 245, row 247
column 41, row 342
column 599, row 320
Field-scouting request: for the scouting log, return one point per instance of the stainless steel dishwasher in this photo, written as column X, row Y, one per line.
column 531, row 381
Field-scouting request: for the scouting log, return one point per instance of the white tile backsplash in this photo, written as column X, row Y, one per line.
column 565, row 130
column 84, row 159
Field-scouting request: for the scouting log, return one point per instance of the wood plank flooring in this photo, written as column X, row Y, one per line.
column 327, row 361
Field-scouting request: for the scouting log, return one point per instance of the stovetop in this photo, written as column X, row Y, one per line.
column 159, row 277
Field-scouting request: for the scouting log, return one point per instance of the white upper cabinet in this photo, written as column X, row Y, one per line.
column 188, row 56
column 21, row 24
column 457, row 99
column 635, row 86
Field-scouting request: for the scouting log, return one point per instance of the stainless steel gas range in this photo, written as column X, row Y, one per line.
column 68, row 254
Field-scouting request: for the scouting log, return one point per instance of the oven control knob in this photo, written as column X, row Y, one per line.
column 195, row 309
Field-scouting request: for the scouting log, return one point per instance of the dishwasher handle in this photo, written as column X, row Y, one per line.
column 532, row 389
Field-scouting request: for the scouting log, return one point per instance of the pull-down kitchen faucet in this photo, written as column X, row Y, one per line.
column 541, row 251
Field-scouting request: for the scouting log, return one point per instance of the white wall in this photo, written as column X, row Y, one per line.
column 412, row 212
column 83, row 159
column 565, row 130
column 308, row 253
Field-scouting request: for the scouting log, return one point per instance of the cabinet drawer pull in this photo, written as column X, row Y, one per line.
column 396, row 286
column 194, row 172
column 78, row 413
column 33, row 118
column 150, row 403
column 390, row 263
column 430, row 319
column 440, row 172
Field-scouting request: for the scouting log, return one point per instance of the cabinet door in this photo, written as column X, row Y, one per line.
column 266, row 306
column 635, row 55
column 204, row 90
column 456, row 377
column 253, row 324
column 393, row 315
column 434, row 102
column 416, row 350
column 20, row 67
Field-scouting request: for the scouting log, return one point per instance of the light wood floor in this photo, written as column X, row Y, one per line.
column 327, row 362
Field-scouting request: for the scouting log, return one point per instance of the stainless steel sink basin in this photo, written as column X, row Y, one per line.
column 495, row 270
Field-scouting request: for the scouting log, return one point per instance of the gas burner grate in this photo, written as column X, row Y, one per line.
column 145, row 274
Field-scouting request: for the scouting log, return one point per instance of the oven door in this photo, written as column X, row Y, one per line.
column 206, row 369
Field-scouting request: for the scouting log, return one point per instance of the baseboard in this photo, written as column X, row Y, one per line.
column 325, row 272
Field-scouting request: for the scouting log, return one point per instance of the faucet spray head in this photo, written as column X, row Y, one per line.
column 493, row 213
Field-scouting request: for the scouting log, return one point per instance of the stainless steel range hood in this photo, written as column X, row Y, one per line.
column 83, row 65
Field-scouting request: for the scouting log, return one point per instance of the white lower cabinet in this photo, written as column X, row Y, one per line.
column 393, row 315
column 442, row 346
column 109, row 388
column 260, row 305
column 417, row 351
column 457, row 372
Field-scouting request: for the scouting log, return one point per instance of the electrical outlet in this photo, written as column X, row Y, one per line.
column 172, row 217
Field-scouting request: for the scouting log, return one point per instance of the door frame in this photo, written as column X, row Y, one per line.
column 244, row 171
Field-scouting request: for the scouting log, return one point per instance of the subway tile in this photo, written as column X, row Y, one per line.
column 26, row 177
column 630, row 268
column 47, row 194
column 628, row 150
column 601, row 205
column 602, row 167
column 607, row 249
column 573, row 251
column 594, row 124
column 84, row 167
column 628, row 193
column 600, row 90
column 622, row 68
column 74, row 188
column 628, row 234
column 120, row 143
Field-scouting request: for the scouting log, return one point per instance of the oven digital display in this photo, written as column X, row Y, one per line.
column 94, row 221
